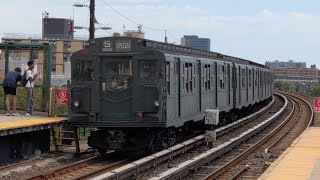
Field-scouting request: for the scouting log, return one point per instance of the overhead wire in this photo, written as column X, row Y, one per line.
column 130, row 20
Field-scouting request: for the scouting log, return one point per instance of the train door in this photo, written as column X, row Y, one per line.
column 239, row 83
column 247, row 84
column 116, row 84
column 200, row 82
column 253, row 84
column 234, row 85
column 171, row 96
column 228, row 84
column 178, row 85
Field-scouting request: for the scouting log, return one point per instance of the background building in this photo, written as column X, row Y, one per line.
column 134, row 33
column 292, row 68
column 61, row 52
column 56, row 28
column 196, row 42
column 295, row 75
column 56, row 31
column 285, row 64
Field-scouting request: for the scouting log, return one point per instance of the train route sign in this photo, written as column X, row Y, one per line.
column 62, row 96
column 317, row 105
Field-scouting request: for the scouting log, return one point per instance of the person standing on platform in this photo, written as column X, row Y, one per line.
column 30, row 77
column 10, row 88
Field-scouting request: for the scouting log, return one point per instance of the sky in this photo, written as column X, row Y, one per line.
column 258, row 30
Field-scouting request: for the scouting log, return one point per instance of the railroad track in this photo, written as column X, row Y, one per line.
column 135, row 168
column 84, row 169
column 92, row 169
column 268, row 142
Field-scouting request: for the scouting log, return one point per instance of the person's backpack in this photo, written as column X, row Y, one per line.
column 24, row 80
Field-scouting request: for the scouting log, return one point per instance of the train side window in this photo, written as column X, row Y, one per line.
column 168, row 77
column 256, row 79
column 189, row 76
column 247, row 80
column 207, row 77
column 148, row 71
column 186, row 76
column 194, row 74
column 118, row 74
column 243, row 78
column 85, row 70
column 250, row 78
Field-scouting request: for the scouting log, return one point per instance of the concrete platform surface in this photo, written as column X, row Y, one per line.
column 300, row 161
column 19, row 124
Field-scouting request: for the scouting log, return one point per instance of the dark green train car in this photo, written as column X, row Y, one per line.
column 140, row 93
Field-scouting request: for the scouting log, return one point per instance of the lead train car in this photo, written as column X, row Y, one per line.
column 138, row 93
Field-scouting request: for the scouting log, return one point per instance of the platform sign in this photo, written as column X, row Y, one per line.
column 62, row 96
column 317, row 105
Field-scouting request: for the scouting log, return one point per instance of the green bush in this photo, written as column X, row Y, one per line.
column 61, row 109
column 21, row 93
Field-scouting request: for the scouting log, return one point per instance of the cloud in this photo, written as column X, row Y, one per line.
column 265, row 33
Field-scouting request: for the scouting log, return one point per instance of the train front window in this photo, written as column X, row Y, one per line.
column 147, row 71
column 118, row 74
column 85, row 70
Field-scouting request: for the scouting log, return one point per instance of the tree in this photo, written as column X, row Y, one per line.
column 315, row 91
column 278, row 85
column 286, row 86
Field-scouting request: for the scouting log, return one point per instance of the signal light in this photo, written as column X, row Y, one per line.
column 139, row 115
column 84, row 52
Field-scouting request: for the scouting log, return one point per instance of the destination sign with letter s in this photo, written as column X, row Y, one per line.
column 116, row 46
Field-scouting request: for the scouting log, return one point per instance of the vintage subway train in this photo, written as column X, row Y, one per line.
column 138, row 94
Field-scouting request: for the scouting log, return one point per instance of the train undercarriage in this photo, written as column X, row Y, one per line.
column 155, row 139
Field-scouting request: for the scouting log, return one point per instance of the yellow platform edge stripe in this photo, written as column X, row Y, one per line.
column 277, row 165
column 31, row 122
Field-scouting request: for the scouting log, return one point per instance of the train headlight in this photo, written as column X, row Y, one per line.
column 156, row 103
column 76, row 104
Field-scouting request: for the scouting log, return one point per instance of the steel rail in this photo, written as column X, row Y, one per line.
column 288, row 130
column 308, row 103
column 184, row 168
column 66, row 169
column 249, row 151
column 133, row 169
column 104, row 169
column 240, row 172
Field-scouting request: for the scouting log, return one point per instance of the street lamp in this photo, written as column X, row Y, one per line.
column 77, row 5
column 102, row 28
column 80, row 5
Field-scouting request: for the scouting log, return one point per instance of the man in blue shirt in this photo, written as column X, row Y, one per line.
column 10, row 88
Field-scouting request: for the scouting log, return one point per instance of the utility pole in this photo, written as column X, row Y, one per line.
column 92, row 15
column 165, row 36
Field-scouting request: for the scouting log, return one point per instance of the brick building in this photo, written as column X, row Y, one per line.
column 292, row 68
column 61, row 52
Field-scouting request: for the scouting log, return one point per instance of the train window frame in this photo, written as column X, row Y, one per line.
column 250, row 77
column 207, row 77
column 88, row 77
column 168, row 77
column 256, row 78
column 118, row 73
column 189, row 77
column 243, row 81
column 152, row 74
column 222, row 77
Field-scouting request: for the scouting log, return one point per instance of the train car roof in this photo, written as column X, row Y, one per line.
column 183, row 50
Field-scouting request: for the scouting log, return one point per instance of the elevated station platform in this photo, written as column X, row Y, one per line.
column 300, row 161
column 22, row 136
column 20, row 124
